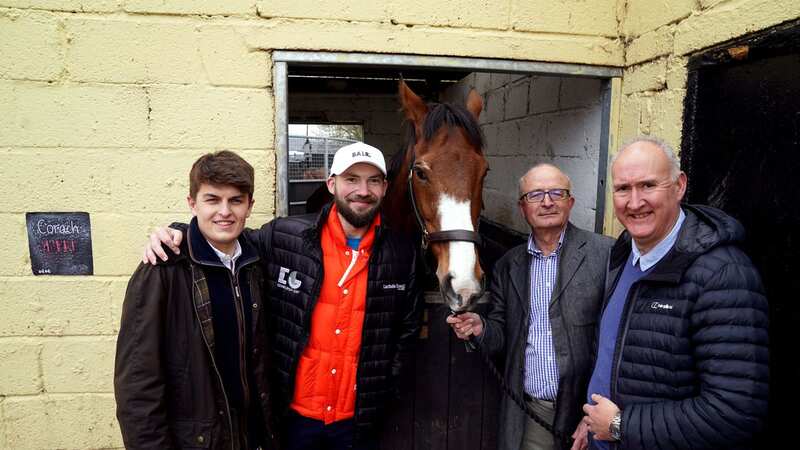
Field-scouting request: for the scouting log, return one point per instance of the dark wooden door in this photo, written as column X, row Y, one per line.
column 741, row 150
column 449, row 398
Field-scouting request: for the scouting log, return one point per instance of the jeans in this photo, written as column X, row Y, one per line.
column 302, row 433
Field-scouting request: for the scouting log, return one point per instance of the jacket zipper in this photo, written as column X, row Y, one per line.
column 620, row 345
column 240, row 321
column 216, row 371
column 376, row 251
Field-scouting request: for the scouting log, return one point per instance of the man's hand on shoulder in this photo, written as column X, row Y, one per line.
column 154, row 248
column 466, row 325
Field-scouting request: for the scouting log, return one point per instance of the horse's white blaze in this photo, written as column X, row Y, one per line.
column 455, row 215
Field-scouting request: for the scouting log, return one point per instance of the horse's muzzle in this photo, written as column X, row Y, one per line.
column 463, row 301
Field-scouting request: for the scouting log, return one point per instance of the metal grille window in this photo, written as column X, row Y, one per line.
column 310, row 158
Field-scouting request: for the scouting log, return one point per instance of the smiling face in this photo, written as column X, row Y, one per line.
column 358, row 192
column 221, row 212
column 550, row 214
column 647, row 195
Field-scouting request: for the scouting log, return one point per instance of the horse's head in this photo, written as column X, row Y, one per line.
column 445, row 172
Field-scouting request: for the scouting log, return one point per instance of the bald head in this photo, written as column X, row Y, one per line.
column 649, row 142
column 544, row 171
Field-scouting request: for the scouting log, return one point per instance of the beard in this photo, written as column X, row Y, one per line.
column 356, row 219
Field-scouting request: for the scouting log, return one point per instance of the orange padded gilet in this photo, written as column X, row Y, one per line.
column 325, row 383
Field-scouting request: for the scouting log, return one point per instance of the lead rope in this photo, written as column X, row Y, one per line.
column 519, row 401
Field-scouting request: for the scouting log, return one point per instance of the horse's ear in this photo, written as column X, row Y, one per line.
column 474, row 103
column 413, row 106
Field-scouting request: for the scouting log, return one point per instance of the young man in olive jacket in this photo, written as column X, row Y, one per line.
column 344, row 308
column 189, row 371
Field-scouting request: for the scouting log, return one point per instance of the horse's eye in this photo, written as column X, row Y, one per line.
column 420, row 174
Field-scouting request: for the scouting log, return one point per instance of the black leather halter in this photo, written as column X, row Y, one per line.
column 437, row 236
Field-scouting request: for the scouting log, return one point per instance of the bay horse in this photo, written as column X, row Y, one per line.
column 436, row 190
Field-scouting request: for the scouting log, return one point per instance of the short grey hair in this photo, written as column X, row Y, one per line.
column 536, row 166
column 669, row 152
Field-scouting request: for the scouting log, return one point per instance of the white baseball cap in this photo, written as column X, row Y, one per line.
column 355, row 153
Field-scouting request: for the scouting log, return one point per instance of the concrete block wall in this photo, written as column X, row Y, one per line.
column 104, row 105
column 103, row 111
column 379, row 114
column 533, row 119
column 659, row 39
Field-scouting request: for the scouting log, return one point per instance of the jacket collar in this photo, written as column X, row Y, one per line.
column 699, row 233
column 570, row 258
column 201, row 252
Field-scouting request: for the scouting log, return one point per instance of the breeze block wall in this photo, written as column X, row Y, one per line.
column 659, row 39
column 104, row 105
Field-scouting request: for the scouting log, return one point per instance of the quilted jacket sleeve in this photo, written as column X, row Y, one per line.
column 261, row 238
column 729, row 339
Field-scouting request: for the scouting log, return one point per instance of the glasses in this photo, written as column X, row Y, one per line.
column 537, row 196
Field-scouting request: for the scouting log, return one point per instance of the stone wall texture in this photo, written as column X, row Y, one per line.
column 104, row 105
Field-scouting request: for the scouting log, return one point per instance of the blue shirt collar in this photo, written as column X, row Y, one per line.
column 534, row 250
column 650, row 258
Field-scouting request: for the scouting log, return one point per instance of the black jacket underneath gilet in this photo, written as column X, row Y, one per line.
column 391, row 320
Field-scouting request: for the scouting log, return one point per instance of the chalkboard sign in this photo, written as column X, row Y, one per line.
column 60, row 243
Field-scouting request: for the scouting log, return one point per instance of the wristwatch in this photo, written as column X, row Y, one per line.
column 615, row 427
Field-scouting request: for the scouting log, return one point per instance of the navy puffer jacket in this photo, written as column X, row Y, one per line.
column 690, row 368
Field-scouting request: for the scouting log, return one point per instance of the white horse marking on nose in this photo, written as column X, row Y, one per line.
column 456, row 215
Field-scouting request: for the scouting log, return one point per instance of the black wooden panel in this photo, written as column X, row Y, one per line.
column 491, row 408
column 433, row 357
column 466, row 397
column 398, row 429
column 741, row 150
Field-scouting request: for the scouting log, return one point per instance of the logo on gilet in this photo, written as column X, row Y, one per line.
column 292, row 282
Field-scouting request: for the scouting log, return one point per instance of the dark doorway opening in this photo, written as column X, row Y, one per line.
column 741, row 150
column 449, row 399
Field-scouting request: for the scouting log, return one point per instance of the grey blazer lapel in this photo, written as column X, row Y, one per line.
column 573, row 252
column 520, row 277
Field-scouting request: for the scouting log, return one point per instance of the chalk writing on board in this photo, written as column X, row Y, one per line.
column 60, row 243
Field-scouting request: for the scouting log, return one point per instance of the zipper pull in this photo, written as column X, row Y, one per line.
column 238, row 294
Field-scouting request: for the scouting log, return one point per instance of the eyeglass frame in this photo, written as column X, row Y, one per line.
column 524, row 197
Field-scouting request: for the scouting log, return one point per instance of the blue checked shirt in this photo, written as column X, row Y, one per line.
column 541, row 371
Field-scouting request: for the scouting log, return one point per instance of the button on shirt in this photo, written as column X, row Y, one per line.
column 541, row 370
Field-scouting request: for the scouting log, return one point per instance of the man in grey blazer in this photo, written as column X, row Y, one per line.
column 545, row 299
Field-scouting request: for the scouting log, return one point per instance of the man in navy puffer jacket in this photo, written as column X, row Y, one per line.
column 682, row 358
